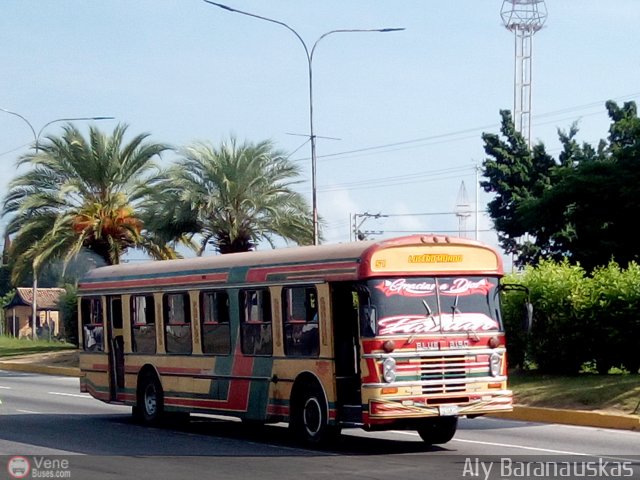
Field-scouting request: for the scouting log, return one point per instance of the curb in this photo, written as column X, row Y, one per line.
column 572, row 417
column 42, row 369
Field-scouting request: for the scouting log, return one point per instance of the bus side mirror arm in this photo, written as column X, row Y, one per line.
column 527, row 323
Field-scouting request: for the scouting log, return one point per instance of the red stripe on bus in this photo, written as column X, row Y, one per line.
column 191, row 279
column 260, row 274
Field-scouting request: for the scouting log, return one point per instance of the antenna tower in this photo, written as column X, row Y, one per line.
column 463, row 210
column 523, row 18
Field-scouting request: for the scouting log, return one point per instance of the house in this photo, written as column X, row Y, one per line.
column 18, row 313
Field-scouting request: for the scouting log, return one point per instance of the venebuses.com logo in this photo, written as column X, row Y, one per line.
column 18, row 467
column 38, row 467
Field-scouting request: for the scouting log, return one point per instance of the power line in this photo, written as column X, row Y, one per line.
column 444, row 137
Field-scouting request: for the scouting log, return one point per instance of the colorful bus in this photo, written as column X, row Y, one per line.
column 402, row 333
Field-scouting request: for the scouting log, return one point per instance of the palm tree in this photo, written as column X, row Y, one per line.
column 232, row 197
column 81, row 195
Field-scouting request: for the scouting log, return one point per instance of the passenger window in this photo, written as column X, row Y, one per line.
column 255, row 322
column 216, row 334
column 143, row 324
column 300, row 314
column 92, row 324
column 177, row 322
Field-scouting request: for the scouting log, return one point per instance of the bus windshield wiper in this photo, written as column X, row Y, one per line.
column 429, row 315
column 454, row 310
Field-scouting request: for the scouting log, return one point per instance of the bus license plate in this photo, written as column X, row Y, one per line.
column 448, row 410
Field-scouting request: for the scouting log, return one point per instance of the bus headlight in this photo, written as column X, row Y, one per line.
column 389, row 370
column 495, row 364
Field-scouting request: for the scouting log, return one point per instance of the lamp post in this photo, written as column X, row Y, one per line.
column 309, row 54
column 36, row 138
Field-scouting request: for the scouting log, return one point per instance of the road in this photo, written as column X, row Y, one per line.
column 44, row 415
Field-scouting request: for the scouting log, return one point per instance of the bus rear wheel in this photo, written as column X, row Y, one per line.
column 150, row 402
column 310, row 418
column 438, row 430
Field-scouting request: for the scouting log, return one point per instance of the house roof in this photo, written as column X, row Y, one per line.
column 47, row 298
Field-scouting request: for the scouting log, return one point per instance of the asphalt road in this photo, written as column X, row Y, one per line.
column 46, row 417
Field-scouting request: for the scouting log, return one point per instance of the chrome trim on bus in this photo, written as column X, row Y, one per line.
column 452, row 381
column 436, row 353
column 206, row 376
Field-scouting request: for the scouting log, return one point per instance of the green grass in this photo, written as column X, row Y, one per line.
column 587, row 391
column 12, row 346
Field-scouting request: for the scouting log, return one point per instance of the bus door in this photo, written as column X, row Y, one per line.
column 116, row 346
column 344, row 307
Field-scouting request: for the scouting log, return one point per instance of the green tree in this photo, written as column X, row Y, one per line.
column 232, row 197
column 79, row 199
column 577, row 207
column 516, row 174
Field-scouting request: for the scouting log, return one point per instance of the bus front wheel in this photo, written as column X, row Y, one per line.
column 150, row 403
column 438, row 430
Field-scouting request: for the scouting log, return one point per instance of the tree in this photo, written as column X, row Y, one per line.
column 516, row 174
column 80, row 198
column 576, row 208
column 232, row 197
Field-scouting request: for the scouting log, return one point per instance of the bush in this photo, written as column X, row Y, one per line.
column 577, row 319
column 68, row 306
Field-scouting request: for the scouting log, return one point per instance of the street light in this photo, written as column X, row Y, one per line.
column 309, row 54
column 36, row 138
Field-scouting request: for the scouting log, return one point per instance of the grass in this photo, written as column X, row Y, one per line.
column 10, row 347
column 587, row 391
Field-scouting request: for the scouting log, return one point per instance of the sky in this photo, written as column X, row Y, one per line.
column 401, row 113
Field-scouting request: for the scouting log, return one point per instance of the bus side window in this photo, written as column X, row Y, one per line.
column 177, row 322
column 300, row 314
column 255, row 322
column 216, row 334
column 143, row 324
column 92, row 324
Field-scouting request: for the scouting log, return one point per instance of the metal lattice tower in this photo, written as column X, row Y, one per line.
column 463, row 210
column 523, row 18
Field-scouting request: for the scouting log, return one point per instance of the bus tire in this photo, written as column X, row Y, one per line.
column 310, row 418
column 150, row 402
column 438, row 430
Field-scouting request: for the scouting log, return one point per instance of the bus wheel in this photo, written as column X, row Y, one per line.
column 309, row 420
column 150, row 405
column 438, row 430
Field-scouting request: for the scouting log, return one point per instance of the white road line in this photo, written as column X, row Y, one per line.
column 5, row 388
column 28, row 411
column 77, row 395
column 535, row 449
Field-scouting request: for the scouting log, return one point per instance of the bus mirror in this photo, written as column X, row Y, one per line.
column 370, row 319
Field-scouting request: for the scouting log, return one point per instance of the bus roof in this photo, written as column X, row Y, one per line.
column 409, row 255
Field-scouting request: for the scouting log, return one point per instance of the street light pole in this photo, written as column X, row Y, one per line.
column 36, row 138
column 309, row 54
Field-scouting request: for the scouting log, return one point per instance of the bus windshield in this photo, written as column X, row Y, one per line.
column 427, row 305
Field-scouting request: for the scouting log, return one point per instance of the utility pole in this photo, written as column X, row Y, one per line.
column 359, row 219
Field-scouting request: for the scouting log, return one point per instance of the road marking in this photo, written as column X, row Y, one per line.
column 28, row 411
column 5, row 388
column 535, row 449
column 77, row 395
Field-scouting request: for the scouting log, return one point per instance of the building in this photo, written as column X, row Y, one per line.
column 18, row 313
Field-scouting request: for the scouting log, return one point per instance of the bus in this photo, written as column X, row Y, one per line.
column 402, row 333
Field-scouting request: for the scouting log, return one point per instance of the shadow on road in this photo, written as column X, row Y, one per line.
column 199, row 435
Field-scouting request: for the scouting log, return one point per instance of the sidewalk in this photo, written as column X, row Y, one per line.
column 60, row 364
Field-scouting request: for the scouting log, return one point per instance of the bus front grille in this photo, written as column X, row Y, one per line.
column 448, row 374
